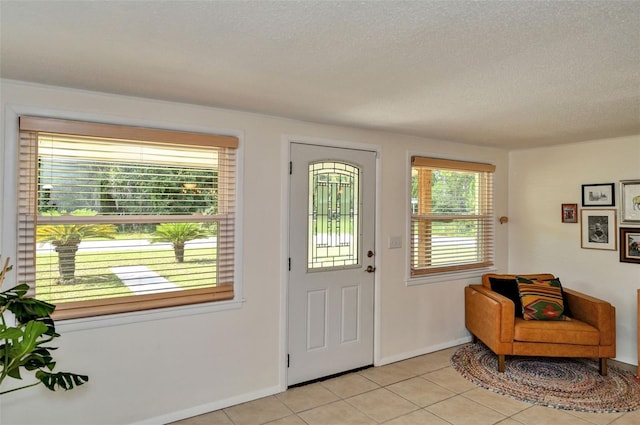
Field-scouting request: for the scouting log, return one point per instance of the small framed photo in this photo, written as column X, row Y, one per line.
column 569, row 213
column 598, row 230
column 630, row 201
column 630, row 245
column 598, row 195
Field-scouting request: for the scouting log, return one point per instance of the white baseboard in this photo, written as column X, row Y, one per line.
column 254, row 395
column 433, row 348
column 422, row 351
column 209, row 407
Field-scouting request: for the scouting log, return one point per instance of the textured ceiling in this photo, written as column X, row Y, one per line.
column 498, row 73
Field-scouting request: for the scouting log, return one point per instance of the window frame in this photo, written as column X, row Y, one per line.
column 222, row 294
column 451, row 272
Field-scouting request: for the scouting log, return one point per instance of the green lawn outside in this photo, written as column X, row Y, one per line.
column 94, row 279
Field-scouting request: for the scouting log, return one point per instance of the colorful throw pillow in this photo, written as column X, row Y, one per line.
column 541, row 300
column 567, row 310
column 509, row 289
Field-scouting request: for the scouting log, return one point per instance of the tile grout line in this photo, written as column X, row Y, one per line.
column 406, row 372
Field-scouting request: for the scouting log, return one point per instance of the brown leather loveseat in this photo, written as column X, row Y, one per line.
column 491, row 317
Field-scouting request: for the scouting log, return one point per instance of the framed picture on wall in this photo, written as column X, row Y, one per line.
column 630, row 244
column 598, row 195
column 598, row 229
column 630, row 201
column 569, row 213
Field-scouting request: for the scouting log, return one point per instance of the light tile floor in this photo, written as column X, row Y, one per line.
column 423, row 390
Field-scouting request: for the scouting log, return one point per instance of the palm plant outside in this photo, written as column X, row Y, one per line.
column 66, row 239
column 178, row 234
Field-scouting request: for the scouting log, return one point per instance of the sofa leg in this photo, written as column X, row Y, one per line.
column 501, row 359
column 603, row 366
column 474, row 339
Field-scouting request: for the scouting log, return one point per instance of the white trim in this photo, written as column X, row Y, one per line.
column 424, row 350
column 317, row 141
column 407, row 217
column 8, row 214
column 283, row 328
column 448, row 277
column 436, row 277
column 287, row 140
column 95, row 322
column 377, row 301
column 8, row 211
column 208, row 407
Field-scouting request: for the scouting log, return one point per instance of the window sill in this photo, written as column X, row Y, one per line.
column 448, row 277
column 96, row 322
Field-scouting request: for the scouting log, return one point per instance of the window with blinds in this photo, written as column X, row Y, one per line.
column 114, row 218
column 451, row 216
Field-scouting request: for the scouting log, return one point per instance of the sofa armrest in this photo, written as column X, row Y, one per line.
column 594, row 311
column 489, row 315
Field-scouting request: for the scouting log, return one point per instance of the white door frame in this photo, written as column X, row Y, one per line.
column 287, row 140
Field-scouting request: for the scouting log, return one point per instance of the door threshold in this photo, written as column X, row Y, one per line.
column 325, row 378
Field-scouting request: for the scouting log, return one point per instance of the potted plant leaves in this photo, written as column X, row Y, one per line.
column 26, row 329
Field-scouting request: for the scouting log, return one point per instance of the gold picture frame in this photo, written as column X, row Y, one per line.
column 598, row 229
column 630, row 202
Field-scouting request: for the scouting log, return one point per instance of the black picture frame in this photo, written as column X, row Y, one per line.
column 599, row 195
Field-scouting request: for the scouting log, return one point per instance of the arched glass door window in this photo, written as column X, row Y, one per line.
column 334, row 220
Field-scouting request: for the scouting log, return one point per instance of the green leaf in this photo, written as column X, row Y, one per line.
column 64, row 380
column 21, row 346
column 17, row 292
column 32, row 331
column 31, row 309
column 14, row 372
column 79, row 379
column 11, row 333
column 38, row 359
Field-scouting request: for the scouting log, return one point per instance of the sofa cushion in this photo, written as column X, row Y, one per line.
column 556, row 332
column 567, row 310
column 541, row 300
column 509, row 289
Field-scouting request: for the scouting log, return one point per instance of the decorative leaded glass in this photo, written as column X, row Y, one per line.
column 334, row 221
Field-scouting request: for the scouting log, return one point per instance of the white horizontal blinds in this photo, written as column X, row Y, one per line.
column 452, row 215
column 126, row 224
column 27, row 191
column 226, row 213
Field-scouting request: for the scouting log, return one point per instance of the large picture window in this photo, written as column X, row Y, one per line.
column 114, row 218
column 451, row 216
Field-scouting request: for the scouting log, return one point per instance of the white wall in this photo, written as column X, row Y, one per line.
column 158, row 367
column 418, row 319
column 540, row 181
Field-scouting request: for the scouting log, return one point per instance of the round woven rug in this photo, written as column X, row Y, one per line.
column 562, row 383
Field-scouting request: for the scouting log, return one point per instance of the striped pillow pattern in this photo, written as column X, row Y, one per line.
column 541, row 300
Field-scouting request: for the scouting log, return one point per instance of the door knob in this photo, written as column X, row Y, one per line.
column 370, row 269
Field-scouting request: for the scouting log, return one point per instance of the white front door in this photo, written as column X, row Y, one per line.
column 332, row 261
